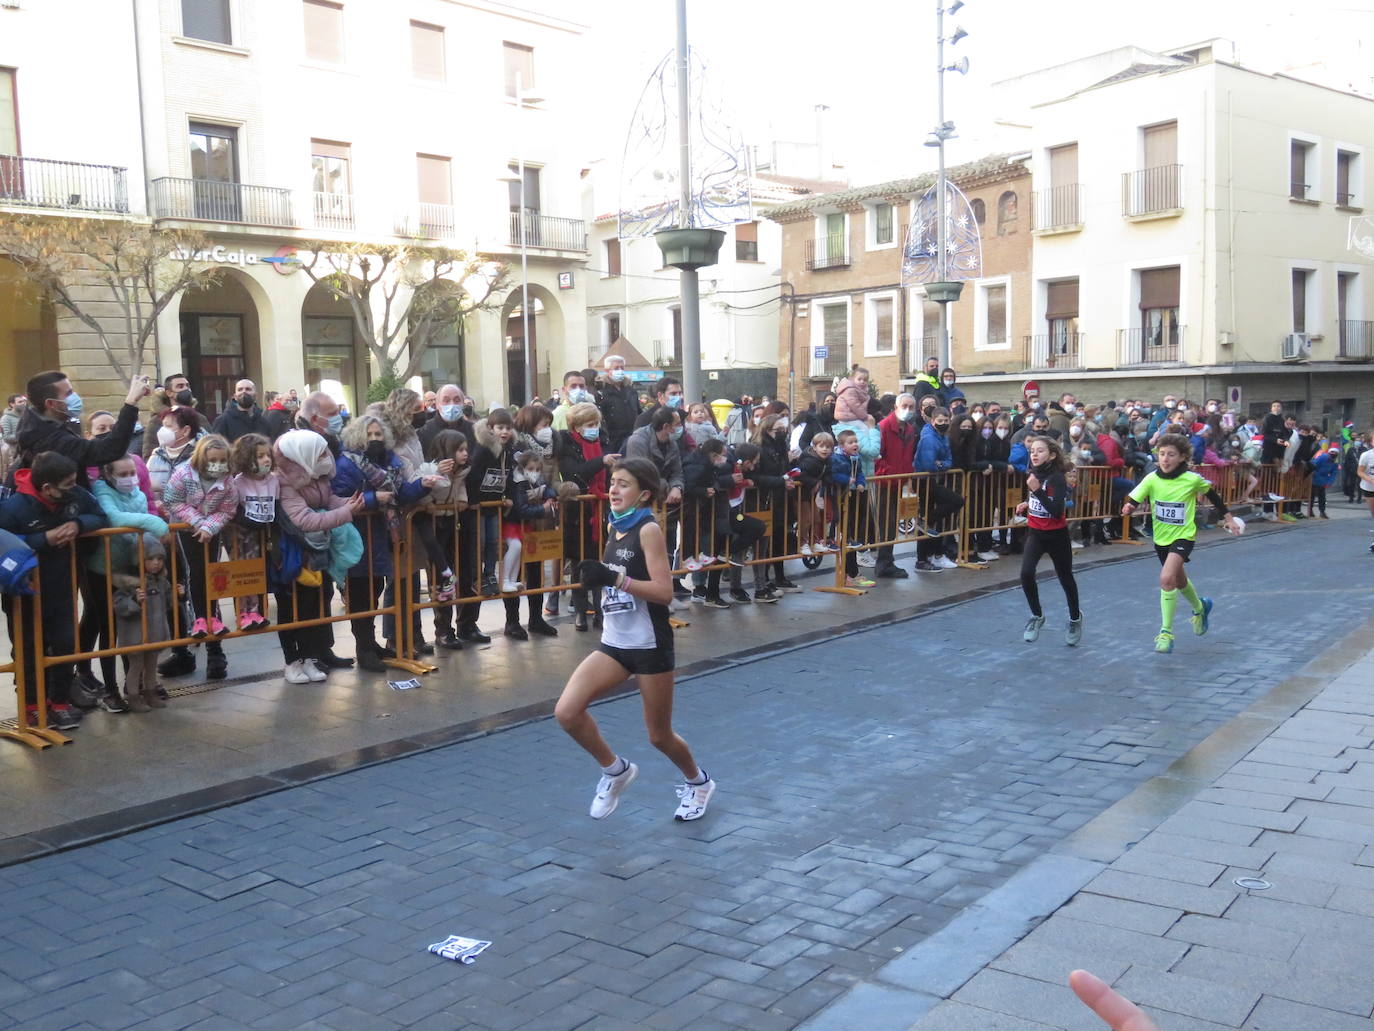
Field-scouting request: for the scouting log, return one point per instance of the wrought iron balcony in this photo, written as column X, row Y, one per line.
column 70, row 185
column 1058, row 208
column 549, row 233
column 918, row 352
column 427, row 222
column 1356, row 340
column 827, row 252
column 1162, row 346
column 1054, row 351
column 1152, row 191
column 334, row 211
column 834, row 363
column 208, row 200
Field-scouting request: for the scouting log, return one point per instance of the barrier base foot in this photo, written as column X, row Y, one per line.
column 678, row 624
column 25, row 737
column 1130, row 543
column 410, row 665
column 965, row 564
column 853, row 592
column 53, row 737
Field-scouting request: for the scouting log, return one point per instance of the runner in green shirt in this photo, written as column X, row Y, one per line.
column 1173, row 492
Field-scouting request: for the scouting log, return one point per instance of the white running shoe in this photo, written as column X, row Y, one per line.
column 1276, row 497
column 805, row 549
column 692, row 565
column 945, row 562
column 1076, row 545
column 988, row 556
column 295, row 673
column 511, row 586
column 868, row 559
column 609, row 790
column 314, row 672
column 706, row 559
column 694, row 798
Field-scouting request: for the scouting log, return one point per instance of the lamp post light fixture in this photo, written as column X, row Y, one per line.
column 943, row 291
column 523, row 99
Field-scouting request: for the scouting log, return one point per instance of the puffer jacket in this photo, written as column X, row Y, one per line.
column 204, row 506
column 123, row 510
column 308, row 502
column 374, row 522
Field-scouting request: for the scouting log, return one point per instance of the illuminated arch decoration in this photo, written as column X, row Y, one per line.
column 650, row 190
column 963, row 242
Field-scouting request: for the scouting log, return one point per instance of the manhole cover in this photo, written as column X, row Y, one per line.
column 1252, row 883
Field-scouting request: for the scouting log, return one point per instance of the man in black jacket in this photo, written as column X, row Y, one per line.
column 619, row 403
column 1276, row 434
column 47, row 426
column 243, row 416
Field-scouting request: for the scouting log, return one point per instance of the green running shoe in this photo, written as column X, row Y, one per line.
column 1200, row 617
column 1164, row 643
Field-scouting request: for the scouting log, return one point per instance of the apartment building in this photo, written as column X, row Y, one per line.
column 265, row 123
column 633, row 299
column 842, row 277
column 1190, row 222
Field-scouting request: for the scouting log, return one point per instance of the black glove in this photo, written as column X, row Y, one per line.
column 594, row 574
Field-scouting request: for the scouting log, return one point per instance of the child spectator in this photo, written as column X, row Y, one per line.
column 851, row 397
column 533, row 507
column 847, row 474
column 744, row 530
column 142, row 599
column 256, row 489
column 1326, row 467
column 49, row 511
column 201, row 495
column 815, row 480
column 492, row 480
column 708, row 483
column 447, row 450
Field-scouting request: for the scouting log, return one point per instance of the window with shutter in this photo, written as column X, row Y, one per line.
column 747, row 241
column 519, row 62
column 324, row 31
column 427, row 51
column 206, row 19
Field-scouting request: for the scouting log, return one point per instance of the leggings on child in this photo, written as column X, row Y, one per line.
column 1054, row 543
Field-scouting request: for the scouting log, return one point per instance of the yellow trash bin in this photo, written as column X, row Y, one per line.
column 721, row 408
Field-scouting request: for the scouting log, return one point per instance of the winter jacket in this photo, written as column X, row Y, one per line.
column 586, row 473
column 129, row 611
column 122, row 509
column 774, row 463
column 870, row 443
column 851, row 402
column 815, row 471
column 162, row 464
column 699, row 474
column 1111, row 452
column 308, row 502
column 1325, row 469
column 492, row 475
column 1018, row 457
column 932, row 452
column 31, row 516
column 994, row 451
column 897, row 446
column 644, row 443
column 375, row 520
column 234, row 422
column 37, row 434
column 188, row 498
column 619, row 406
column 847, row 471
column 276, row 420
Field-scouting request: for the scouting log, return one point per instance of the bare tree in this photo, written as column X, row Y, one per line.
column 82, row 263
column 414, row 285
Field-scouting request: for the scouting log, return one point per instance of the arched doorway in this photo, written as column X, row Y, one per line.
column 28, row 328
column 221, row 338
column 546, row 336
column 334, row 359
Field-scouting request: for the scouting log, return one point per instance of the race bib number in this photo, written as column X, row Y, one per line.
column 494, row 480
column 614, row 600
column 1037, row 509
column 260, row 510
column 1174, row 513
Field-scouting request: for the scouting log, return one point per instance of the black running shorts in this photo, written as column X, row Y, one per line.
column 1183, row 546
column 641, row 660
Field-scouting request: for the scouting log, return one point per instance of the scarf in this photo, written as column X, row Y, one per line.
column 378, row 479
column 629, row 520
column 592, row 449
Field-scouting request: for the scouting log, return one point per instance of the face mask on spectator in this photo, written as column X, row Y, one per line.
column 1068, row 408
column 782, row 424
column 376, row 452
column 336, row 423
column 544, row 435
column 618, row 375
column 674, row 401
column 577, row 395
column 75, row 406
column 185, row 397
column 591, row 432
column 677, row 432
column 906, row 414
column 126, row 484
column 1170, row 405
column 1075, row 431
column 245, row 401
column 987, row 432
column 166, row 435
column 977, row 416
column 216, row 470
column 451, row 413
column 1001, row 433
column 419, row 419
column 264, row 467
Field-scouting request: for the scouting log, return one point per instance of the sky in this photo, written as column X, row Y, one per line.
column 872, row 61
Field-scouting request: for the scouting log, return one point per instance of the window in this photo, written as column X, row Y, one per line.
column 1061, row 317
column 1159, row 145
column 1006, row 213
column 1302, row 284
column 612, row 258
column 980, row 210
column 880, row 325
column 830, row 339
column 214, row 155
column 1159, row 329
column 324, row 31
column 995, row 303
column 1347, row 178
column 329, row 163
column 9, row 113
column 427, row 51
column 883, row 231
column 747, row 241
column 612, row 333
column 206, row 19
column 834, row 246
column 531, row 197
column 435, row 185
column 519, row 68
column 1301, row 173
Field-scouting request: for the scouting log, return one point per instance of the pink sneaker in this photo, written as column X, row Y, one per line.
column 216, row 627
column 252, row 621
column 199, row 630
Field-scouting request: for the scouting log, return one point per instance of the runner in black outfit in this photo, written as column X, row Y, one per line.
column 1048, row 533
column 637, row 641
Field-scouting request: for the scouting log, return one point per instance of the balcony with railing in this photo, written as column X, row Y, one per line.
column 918, row 352
column 824, row 252
column 208, row 200
column 1156, row 346
column 334, row 211
column 833, row 362
column 1152, row 192
column 1046, row 351
column 1057, row 210
column 547, row 232
column 1356, row 340
column 69, row 185
column 427, row 222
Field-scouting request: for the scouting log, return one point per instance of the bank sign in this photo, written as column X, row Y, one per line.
column 283, row 261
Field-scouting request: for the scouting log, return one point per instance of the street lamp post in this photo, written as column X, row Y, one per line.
column 943, row 291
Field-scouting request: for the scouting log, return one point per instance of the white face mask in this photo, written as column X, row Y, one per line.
column 126, row 484
column 544, row 435
column 977, row 416
column 1001, row 432
column 906, row 414
column 781, row 424
column 1075, row 431
column 1068, row 409
column 1211, row 408
column 166, row 435
column 1170, row 405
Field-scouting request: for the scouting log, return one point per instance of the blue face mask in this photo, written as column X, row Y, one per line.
column 451, row 413
column 577, row 395
column 591, row 432
column 674, row 401
column 336, row 423
column 618, row 375
column 677, row 432
column 75, row 406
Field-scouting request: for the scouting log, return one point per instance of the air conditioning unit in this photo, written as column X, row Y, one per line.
column 1296, row 345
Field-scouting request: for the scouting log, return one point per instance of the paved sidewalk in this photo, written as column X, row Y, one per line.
column 1287, row 800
